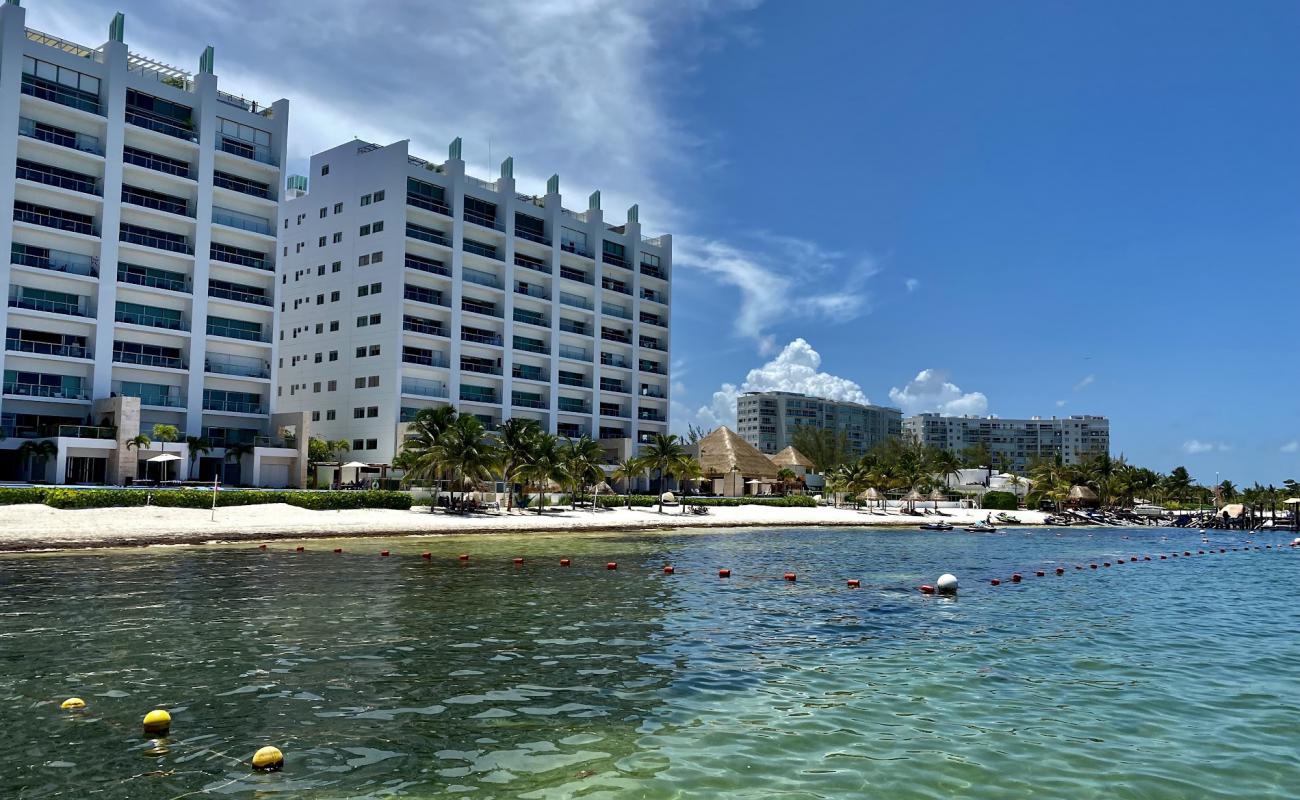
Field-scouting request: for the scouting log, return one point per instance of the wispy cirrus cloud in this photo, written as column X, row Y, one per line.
column 1087, row 381
column 1290, row 447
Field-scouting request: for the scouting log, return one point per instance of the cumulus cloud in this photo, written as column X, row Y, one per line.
column 912, row 285
column 1085, row 383
column 1196, row 446
column 931, row 391
column 797, row 368
column 1290, row 447
column 1060, row 404
column 769, row 293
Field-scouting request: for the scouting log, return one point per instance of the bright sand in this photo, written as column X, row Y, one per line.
column 25, row 527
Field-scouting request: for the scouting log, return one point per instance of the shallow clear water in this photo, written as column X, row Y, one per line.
column 396, row 677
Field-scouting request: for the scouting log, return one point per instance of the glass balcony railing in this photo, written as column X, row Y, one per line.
column 470, row 365
column 250, row 150
column 570, row 406
column 481, row 278
column 617, row 387
column 574, row 300
column 428, row 265
column 653, row 272
column 51, row 218
column 156, row 201
column 87, row 431
column 143, row 119
column 530, row 318
column 428, row 327
column 148, row 359
column 54, row 260
column 152, row 278
column 575, row 275
column 480, row 338
column 482, row 219
column 427, row 203
column 611, row 310
column 478, row 248
column 520, row 400
column 425, row 358
column 243, row 366
column 427, row 235
column 531, row 346
column 574, row 353
column 612, row 360
column 474, row 394
column 569, row 380
column 21, row 389
column 233, row 406
column 615, row 286
column 38, row 348
column 150, row 394
column 157, row 163
column 424, row 388
column 147, row 237
column 615, row 336
column 569, row 326
column 72, row 98
column 527, row 373
column 58, row 178
column 529, row 263
column 216, row 328
column 575, row 248
column 487, row 309
column 419, row 294
column 238, row 295
column 150, row 320
column 245, row 222
column 52, row 305
column 240, row 256
column 63, row 137
column 235, row 183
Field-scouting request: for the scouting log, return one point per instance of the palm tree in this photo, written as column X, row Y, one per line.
column 38, row 452
column 582, row 458
column 465, row 450
column 1227, row 491
column 947, row 464
column 785, row 476
column 663, row 455
column 1178, row 484
column 515, row 441
column 544, row 465
column 164, row 433
column 628, row 471
column 418, row 453
column 688, row 469
column 197, row 445
column 321, row 450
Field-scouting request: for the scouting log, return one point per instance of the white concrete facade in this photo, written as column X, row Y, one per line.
column 1014, row 443
column 408, row 284
column 143, row 203
column 767, row 420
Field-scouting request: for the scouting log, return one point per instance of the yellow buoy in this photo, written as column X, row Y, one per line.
column 268, row 758
column 72, row 704
column 157, row 721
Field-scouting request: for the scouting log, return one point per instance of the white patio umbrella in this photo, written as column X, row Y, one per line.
column 163, row 458
column 356, row 465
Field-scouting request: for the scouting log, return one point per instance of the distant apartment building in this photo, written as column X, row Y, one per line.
column 1016, row 442
column 141, row 277
column 767, row 420
column 409, row 284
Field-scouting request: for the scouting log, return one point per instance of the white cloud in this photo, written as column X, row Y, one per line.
column 1196, row 446
column 912, row 285
column 1290, row 447
column 774, row 281
column 931, row 391
column 797, row 368
column 1060, row 404
column 1085, row 383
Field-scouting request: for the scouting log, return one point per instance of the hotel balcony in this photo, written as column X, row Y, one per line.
column 424, row 388
column 63, row 137
column 59, row 178
column 56, row 218
column 54, row 260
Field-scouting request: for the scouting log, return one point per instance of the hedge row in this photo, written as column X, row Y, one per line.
column 1000, row 500
column 643, row 500
column 199, row 498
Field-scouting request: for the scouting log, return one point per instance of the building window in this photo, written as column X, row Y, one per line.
column 376, row 258
column 323, row 212
column 338, row 237
column 361, row 352
column 334, row 326
column 320, row 242
column 376, row 288
column 329, row 415
column 320, row 327
column 365, row 199
column 317, row 359
column 358, row 444
column 372, row 411
column 320, row 270
column 363, row 291
column 359, row 412
column 363, row 321
column 334, row 355
column 373, row 381
column 378, row 227
column 371, row 444
column 332, row 386
column 365, row 230
column 315, row 387
column 374, row 349
column 320, row 299
column 334, row 296
column 315, row 416
column 337, row 266
column 325, row 169
column 338, row 208
column 363, row 261
column 379, row 196
column 375, row 318
column 359, row 383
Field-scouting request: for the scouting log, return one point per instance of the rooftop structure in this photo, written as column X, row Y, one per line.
column 767, row 420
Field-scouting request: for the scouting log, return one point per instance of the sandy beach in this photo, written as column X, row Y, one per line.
column 34, row 527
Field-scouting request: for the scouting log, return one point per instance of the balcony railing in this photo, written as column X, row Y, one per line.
column 232, row 332
column 231, row 255
column 244, row 366
column 530, row 318
column 574, row 406
column 529, row 346
column 618, row 261
column 35, row 87
column 528, row 263
column 150, row 320
column 652, row 367
column 421, row 295
column 157, row 125
column 242, row 185
column 46, row 348
column 575, row 353
column 41, row 390
column 428, row 204
column 75, row 308
column 424, row 265
column 424, row 388
column 63, row 137
column 467, row 365
column 653, row 392
column 432, row 359
column 575, row 275
column 148, row 359
column 654, row 272
column 87, row 431
column 532, row 291
column 480, row 338
column 481, row 278
column 574, row 300
column 582, row 383
column 652, row 344
column 612, row 411
column 56, row 261
column 526, row 401
column 652, row 295
column 474, row 395
column 532, row 237
column 233, row 406
column 142, row 236
column 611, row 310
column 568, row 326
column 151, row 395
column 527, row 373
column 480, row 249
column 60, row 178
column 238, row 296
column 613, row 386
column 612, row 360
column 576, row 249
column 152, row 279
column 482, row 219
column 420, row 326
column 426, row 235
column 616, row 286
column 171, row 205
column 36, row 215
column 650, row 416
column 486, row 309
column 246, row 222
column 238, row 147
column 615, row 336
column 147, row 160
column 652, row 319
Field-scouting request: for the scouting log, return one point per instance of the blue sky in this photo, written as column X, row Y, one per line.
column 1012, row 208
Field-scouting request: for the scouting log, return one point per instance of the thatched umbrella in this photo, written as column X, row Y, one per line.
column 1080, row 495
column 936, row 496
column 872, row 495
column 912, row 498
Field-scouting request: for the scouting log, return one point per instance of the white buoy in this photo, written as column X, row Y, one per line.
column 1295, row 542
column 947, row 584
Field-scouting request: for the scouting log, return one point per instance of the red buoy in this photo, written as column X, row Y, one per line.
column 1118, row 561
column 1146, row 558
column 383, row 552
column 464, row 557
column 1221, row 550
column 338, row 549
column 299, row 549
column 1078, row 566
column 1060, row 571
column 1105, row 563
column 1040, row 573
column 995, row 582
column 564, row 562
column 1015, row 577
column 518, row 561
column 426, row 555
column 1187, row 552
column 1094, row 566
column 261, row 547
column 789, row 576
column 612, row 565
column 854, row 583
column 1200, row 552
column 668, row 570
column 724, row 573
column 1163, row 558
column 926, row 589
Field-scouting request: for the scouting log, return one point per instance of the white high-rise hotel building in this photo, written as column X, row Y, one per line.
column 141, row 281
column 409, row 284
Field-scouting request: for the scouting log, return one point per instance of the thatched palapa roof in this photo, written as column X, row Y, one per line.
column 723, row 448
column 1082, row 493
column 791, row 457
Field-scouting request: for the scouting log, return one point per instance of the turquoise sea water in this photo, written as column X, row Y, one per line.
column 397, row 677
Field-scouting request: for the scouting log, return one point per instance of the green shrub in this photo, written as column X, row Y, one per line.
column 1005, row 501
column 16, row 495
column 646, row 500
